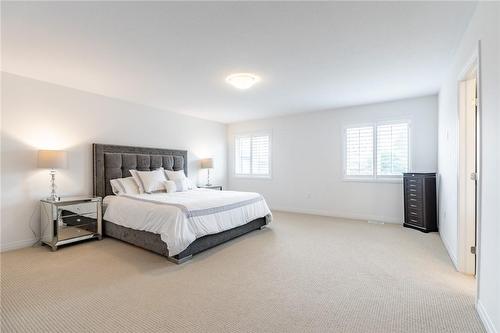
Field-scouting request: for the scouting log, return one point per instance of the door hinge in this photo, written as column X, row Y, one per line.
column 473, row 176
column 474, row 101
column 473, row 249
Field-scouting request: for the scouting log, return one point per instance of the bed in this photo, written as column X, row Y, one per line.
column 112, row 161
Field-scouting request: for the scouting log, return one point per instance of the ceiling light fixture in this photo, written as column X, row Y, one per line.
column 242, row 80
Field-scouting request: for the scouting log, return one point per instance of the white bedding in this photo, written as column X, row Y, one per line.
column 182, row 217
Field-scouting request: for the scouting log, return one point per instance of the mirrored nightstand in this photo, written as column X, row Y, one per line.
column 70, row 219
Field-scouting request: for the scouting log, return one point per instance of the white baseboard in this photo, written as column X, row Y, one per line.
column 349, row 216
column 17, row 245
column 451, row 254
column 485, row 318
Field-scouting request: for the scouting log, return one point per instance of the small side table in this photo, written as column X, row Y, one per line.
column 212, row 187
column 70, row 219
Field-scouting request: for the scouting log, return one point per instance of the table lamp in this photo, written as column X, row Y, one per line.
column 52, row 159
column 207, row 163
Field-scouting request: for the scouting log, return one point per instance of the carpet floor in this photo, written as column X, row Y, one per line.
column 302, row 274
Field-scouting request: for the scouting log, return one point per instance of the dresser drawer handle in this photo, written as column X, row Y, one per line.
column 412, row 190
column 413, row 195
column 413, row 180
column 413, row 213
column 413, row 220
column 413, row 206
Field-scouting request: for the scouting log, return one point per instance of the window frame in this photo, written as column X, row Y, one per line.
column 374, row 177
column 252, row 134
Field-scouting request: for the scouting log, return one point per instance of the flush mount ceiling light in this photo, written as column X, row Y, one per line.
column 242, row 80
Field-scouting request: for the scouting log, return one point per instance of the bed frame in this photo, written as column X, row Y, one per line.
column 111, row 161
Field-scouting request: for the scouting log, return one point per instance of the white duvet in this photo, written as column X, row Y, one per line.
column 182, row 217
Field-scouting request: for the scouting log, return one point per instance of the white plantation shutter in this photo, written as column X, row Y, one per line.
column 377, row 151
column 243, row 155
column 359, row 151
column 260, row 155
column 392, row 149
column 252, row 155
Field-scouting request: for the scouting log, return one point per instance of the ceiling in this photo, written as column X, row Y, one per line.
column 175, row 56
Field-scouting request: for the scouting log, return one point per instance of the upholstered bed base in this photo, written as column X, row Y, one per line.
column 153, row 242
column 112, row 162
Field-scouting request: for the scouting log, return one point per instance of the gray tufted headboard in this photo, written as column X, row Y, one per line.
column 112, row 162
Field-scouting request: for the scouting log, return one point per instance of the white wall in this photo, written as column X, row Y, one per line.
column 38, row 115
column 307, row 164
column 484, row 26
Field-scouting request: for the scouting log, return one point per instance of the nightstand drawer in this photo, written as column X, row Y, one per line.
column 80, row 208
column 75, row 220
column 69, row 232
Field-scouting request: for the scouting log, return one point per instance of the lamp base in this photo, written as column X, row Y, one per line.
column 53, row 197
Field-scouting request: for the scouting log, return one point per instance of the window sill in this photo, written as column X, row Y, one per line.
column 398, row 180
column 250, row 177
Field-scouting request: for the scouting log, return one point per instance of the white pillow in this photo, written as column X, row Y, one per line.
column 170, row 186
column 178, row 185
column 181, row 185
column 174, row 175
column 149, row 181
column 124, row 186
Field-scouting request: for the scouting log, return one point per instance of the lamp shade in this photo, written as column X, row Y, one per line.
column 207, row 163
column 52, row 159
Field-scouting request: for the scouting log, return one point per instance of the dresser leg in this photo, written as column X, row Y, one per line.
column 54, row 248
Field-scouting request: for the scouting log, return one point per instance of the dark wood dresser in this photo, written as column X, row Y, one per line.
column 420, row 201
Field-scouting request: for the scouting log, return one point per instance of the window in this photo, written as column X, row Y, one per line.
column 252, row 155
column 377, row 151
column 359, row 144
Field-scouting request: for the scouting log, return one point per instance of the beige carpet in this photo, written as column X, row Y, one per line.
column 303, row 274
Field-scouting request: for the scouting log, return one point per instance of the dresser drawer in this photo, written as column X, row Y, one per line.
column 415, row 213
column 415, row 197
column 415, row 204
column 414, row 186
column 414, row 221
column 413, row 180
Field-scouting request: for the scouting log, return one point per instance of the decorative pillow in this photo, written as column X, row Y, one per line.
column 124, row 186
column 178, row 185
column 149, row 181
column 170, row 186
column 180, row 175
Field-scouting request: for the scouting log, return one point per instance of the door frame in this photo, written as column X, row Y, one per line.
column 473, row 63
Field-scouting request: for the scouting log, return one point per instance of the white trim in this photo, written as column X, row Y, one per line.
column 474, row 61
column 390, row 180
column 485, row 318
column 15, row 245
column 343, row 215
